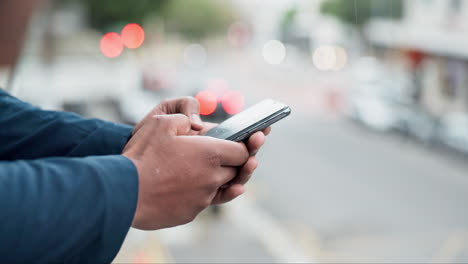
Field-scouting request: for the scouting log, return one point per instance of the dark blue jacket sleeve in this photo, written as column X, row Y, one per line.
column 27, row 132
column 72, row 210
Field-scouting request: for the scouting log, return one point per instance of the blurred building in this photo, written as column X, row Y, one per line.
column 431, row 41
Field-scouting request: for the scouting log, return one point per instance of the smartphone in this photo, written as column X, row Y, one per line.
column 256, row 118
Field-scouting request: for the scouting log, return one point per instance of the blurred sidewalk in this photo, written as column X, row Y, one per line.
column 241, row 233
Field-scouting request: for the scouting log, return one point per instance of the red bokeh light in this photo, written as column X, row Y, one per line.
column 133, row 36
column 111, row 45
column 207, row 101
column 233, row 102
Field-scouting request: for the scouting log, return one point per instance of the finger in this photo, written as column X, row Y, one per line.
column 229, row 194
column 190, row 107
column 229, row 153
column 246, row 171
column 176, row 125
column 267, row 131
column 173, row 106
column 196, row 125
column 206, row 127
column 225, row 175
column 255, row 142
column 220, row 152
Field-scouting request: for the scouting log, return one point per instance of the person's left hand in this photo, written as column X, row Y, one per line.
column 236, row 186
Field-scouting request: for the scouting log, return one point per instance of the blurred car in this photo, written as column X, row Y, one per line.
column 417, row 123
column 374, row 111
column 453, row 132
column 135, row 103
column 379, row 97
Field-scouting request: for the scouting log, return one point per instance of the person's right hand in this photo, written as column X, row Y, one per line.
column 179, row 175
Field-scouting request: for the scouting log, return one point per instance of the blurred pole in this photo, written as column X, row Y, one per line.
column 14, row 18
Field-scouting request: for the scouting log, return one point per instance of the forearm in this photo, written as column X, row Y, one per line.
column 62, row 209
column 27, row 132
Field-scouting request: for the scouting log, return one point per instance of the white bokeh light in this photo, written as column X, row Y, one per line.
column 341, row 58
column 274, row 52
column 195, row 56
column 324, row 58
column 330, row 58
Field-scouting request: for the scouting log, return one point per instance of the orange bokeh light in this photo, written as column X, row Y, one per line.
column 233, row 102
column 133, row 36
column 111, row 45
column 207, row 101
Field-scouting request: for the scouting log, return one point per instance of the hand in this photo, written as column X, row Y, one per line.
column 236, row 187
column 187, row 106
column 179, row 175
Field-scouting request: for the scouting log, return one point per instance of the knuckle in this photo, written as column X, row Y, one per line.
column 217, row 182
column 159, row 120
column 190, row 100
column 166, row 102
column 213, row 184
column 253, row 165
column 214, row 158
column 181, row 118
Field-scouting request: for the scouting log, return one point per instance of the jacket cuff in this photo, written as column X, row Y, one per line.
column 121, row 193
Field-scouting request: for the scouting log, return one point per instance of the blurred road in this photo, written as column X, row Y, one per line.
column 360, row 196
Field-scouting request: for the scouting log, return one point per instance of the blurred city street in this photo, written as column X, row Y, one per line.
column 370, row 166
column 339, row 193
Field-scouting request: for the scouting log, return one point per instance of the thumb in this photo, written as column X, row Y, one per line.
column 190, row 107
column 176, row 124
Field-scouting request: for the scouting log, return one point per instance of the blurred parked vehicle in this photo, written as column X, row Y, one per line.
column 379, row 97
column 417, row 123
column 373, row 108
column 138, row 101
column 453, row 132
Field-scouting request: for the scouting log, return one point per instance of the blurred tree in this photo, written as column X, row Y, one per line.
column 104, row 14
column 288, row 18
column 191, row 18
column 358, row 12
column 200, row 18
column 289, row 32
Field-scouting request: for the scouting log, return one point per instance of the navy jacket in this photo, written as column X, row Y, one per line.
column 66, row 195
